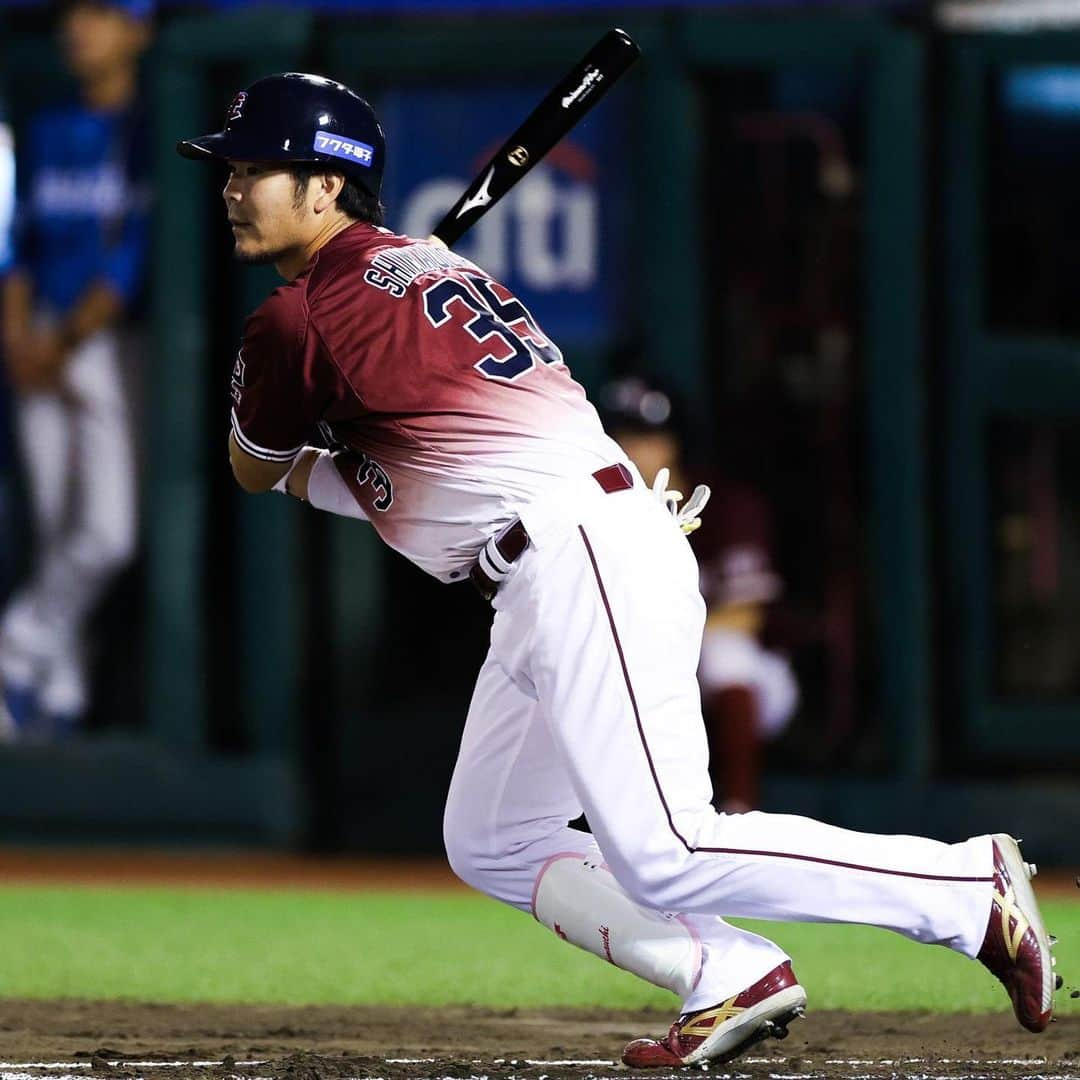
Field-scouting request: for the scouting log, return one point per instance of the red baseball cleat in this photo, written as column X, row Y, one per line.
column 723, row 1032
column 1016, row 947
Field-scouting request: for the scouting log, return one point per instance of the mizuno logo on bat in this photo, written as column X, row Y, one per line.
column 481, row 198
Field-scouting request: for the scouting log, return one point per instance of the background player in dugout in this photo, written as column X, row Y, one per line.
column 7, row 216
column 489, row 463
column 749, row 692
column 81, row 245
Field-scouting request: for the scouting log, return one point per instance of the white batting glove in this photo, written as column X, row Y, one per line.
column 689, row 517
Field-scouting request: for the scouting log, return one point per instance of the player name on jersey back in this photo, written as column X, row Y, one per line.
column 395, row 269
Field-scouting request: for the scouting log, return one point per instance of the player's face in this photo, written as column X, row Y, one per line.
column 97, row 39
column 267, row 222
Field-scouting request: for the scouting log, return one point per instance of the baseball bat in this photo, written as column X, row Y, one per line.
column 566, row 103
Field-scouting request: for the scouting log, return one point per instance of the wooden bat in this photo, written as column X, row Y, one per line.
column 566, row 103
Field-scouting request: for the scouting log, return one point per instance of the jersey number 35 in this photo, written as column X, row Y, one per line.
column 489, row 318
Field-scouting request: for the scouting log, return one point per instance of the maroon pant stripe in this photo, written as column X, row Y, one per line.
column 630, row 690
column 660, row 791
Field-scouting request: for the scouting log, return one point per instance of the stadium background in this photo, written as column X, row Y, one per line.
column 842, row 232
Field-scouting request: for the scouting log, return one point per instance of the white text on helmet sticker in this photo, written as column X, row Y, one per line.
column 349, row 149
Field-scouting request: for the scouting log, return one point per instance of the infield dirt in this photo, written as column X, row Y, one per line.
column 116, row 1040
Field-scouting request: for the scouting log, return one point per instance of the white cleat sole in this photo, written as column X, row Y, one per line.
column 766, row 1020
column 1021, row 874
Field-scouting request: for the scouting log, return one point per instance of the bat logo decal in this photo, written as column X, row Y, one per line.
column 481, row 198
column 565, row 104
column 591, row 77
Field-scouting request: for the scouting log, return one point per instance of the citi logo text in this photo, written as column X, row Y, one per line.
column 545, row 232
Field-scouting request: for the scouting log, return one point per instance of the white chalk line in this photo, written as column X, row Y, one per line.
column 36, row 1076
column 1033, row 1062
column 65, row 1070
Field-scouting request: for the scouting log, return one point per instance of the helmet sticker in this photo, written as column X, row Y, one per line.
column 359, row 153
column 236, row 107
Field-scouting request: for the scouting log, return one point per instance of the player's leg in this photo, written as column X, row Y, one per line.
column 617, row 621
column 100, row 538
column 106, row 511
column 617, row 675
column 506, row 834
column 27, row 638
column 509, row 801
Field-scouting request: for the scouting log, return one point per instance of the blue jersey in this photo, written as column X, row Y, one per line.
column 83, row 209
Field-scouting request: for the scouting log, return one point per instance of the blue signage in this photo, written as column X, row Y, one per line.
column 556, row 239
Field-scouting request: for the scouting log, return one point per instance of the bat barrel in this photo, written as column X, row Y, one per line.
column 565, row 104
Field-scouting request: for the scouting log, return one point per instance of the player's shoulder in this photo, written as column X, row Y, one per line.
column 355, row 246
column 283, row 315
column 391, row 262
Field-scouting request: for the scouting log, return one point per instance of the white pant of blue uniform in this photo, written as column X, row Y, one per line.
column 76, row 445
column 588, row 702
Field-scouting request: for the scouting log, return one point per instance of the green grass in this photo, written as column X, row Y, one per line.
column 164, row 945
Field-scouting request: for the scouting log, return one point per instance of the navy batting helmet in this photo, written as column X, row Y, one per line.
column 632, row 404
column 297, row 117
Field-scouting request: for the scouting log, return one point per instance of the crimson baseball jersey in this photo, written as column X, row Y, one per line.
column 459, row 408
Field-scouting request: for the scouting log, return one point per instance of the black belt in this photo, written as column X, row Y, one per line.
column 499, row 554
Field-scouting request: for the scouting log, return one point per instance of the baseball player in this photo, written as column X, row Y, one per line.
column 464, row 441
column 7, row 214
column 81, row 243
column 7, row 189
column 748, row 692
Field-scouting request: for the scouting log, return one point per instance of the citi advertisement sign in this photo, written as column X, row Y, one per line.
column 554, row 239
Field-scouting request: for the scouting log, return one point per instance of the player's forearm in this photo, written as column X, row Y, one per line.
column 98, row 307
column 253, row 474
column 17, row 307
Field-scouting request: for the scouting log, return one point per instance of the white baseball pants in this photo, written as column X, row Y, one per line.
column 77, row 448
column 588, row 702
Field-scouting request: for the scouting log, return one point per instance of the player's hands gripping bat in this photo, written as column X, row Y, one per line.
column 568, row 101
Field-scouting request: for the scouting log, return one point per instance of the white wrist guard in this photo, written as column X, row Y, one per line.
column 327, row 490
column 584, row 904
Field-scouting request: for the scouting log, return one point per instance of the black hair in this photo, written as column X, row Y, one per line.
column 353, row 201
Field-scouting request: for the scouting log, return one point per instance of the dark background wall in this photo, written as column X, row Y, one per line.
column 840, row 234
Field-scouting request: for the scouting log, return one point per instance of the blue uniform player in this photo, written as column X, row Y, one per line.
column 80, row 251
column 7, row 189
column 7, row 254
column 7, row 213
